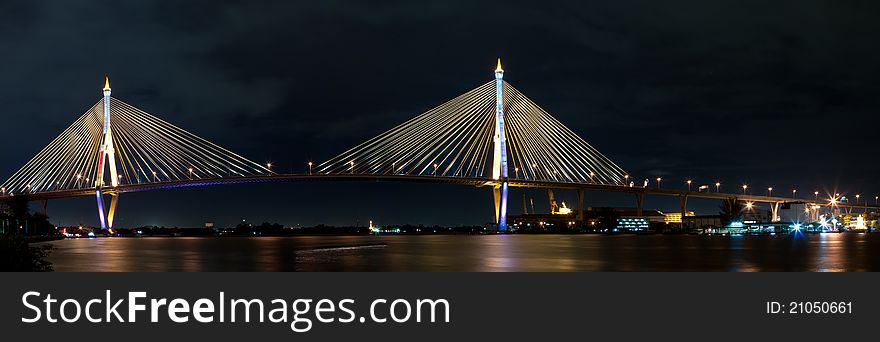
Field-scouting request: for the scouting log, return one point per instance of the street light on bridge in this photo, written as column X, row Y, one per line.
column 689, row 184
column 352, row 166
column 591, row 176
column 857, row 198
column 717, row 186
column 310, row 168
column 793, row 193
column 744, row 188
column 190, row 173
column 817, row 194
column 659, row 179
column 770, row 191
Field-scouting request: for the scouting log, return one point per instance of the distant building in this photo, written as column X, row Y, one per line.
column 632, row 224
column 755, row 215
column 703, row 221
column 594, row 219
column 675, row 217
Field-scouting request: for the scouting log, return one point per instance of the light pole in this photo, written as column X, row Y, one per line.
column 625, row 179
column 351, row 163
column 770, row 192
column 435, row 169
column 794, row 193
column 190, row 173
column 744, row 188
column 876, row 199
column 817, row 195
column 591, row 176
column 857, row 199
column 154, row 177
column 717, row 186
column 689, row 184
column 659, row 179
column 516, row 172
column 310, row 168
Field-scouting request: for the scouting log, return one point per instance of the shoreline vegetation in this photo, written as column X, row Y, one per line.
column 18, row 255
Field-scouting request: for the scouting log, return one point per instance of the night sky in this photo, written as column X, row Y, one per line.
column 769, row 93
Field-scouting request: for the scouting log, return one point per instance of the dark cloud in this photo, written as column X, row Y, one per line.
column 776, row 93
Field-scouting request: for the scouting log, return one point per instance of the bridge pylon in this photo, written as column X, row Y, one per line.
column 107, row 154
column 499, row 163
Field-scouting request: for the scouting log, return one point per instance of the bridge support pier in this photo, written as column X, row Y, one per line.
column 774, row 212
column 106, row 222
column 640, row 202
column 683, row 200
column 500, row 194
column 580, row 215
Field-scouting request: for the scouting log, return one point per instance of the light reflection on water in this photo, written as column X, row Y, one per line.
column 823, row 252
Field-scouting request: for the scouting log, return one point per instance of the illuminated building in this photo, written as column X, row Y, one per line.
column 632, row 224
column 675, row 217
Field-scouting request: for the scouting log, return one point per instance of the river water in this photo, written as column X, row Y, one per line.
column 820, row 252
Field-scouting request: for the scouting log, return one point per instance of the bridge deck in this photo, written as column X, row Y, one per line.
column 469, row 181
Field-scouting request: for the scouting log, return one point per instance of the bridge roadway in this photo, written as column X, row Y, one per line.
column 469, row 181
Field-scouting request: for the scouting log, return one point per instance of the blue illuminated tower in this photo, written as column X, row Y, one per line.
column 499, row 164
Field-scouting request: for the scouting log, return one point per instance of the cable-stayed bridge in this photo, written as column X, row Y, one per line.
column 492, row 136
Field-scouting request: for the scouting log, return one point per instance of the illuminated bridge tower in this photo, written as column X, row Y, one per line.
column 499, row 163
column 107, row 154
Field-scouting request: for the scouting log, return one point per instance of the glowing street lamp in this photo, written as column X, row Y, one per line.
column 659, row 179
column 817, row 194
column 154, row 177
column 689, row 184
column 750, row 205
column 351, row 164
column 435, row 169
column 516, row 172
column 190, row 173
column 857, row 198
column 310, row 168
column 876, row 199
column 591, row 176
column 793, row 193
column 3, row 190
column 745, row 187
column 770, row 191
column 717, row 186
